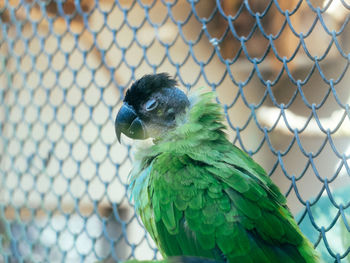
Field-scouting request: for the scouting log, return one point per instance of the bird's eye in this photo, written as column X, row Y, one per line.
column 151, row 105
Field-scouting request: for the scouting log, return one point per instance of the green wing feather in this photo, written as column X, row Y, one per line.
column 176, row 260
column 198, row 195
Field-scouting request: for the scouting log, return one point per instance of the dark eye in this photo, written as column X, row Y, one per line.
column 151, row 105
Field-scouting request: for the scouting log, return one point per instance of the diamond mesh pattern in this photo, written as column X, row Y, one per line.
column 280, row 70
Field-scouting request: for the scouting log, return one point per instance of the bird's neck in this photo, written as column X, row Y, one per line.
column 200, row 126
column 201, row 123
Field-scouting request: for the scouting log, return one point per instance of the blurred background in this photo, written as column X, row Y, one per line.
column 281, row 73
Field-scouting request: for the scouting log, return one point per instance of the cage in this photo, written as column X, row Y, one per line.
column 280, row 69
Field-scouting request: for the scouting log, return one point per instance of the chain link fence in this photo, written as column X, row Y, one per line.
column 280, row 70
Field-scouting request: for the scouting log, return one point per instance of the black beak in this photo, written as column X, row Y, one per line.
column 129, row 123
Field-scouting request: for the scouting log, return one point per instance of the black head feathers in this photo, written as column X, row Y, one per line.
column 141, row 89
column 151, row 107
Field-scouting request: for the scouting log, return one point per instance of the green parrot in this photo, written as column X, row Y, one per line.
column 196, row 193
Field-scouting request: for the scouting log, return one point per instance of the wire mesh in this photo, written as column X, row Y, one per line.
column 280, row 70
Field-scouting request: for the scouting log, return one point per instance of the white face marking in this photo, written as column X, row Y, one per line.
column 151, row 104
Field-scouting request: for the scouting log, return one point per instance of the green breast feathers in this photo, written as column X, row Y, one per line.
column 199, row 195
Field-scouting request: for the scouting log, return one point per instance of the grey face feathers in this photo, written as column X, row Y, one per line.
column 150, row 107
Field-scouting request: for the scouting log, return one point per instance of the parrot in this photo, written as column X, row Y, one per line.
column 196, row 193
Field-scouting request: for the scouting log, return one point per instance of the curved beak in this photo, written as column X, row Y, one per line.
column 129, row 123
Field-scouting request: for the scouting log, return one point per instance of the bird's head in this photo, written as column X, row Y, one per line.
column 150, row 108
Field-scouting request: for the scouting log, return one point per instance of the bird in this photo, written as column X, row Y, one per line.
column 196, row 193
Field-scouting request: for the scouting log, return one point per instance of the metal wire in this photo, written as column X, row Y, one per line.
column 281, row 72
